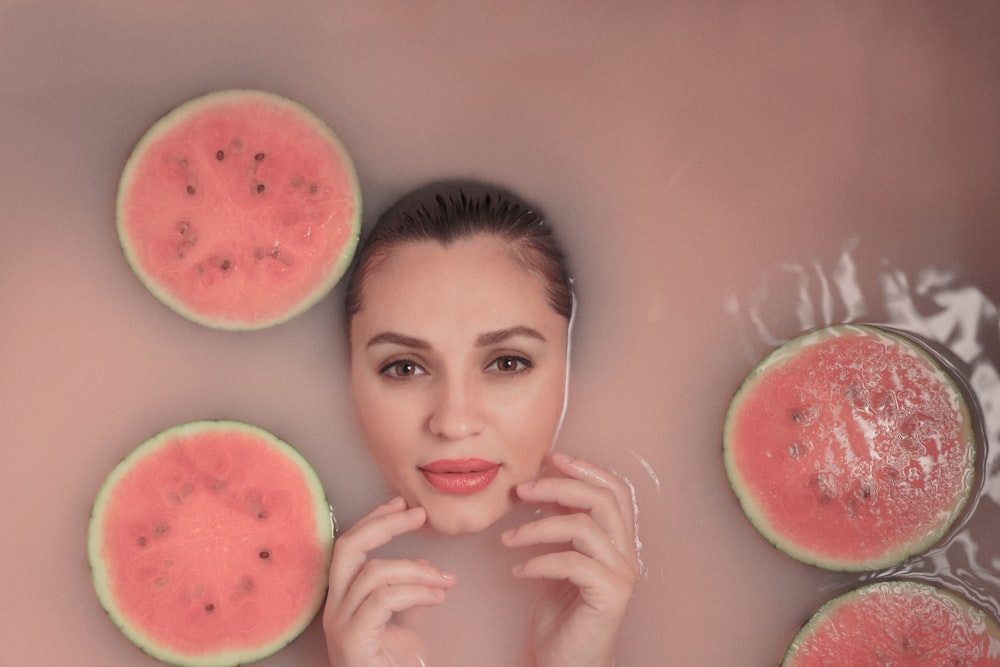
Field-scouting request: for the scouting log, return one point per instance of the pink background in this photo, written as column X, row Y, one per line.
column 688, row 152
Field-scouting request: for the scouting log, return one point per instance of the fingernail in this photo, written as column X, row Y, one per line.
column 566, row 459
column 446, row 575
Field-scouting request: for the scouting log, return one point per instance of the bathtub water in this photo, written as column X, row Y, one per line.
column 723, row 175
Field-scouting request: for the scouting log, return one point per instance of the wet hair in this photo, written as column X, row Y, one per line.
column 448, row 211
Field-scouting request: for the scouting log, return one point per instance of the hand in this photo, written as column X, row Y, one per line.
column 576, row 622
column 365, row 595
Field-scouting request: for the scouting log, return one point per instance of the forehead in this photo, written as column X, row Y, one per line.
column 474, row 283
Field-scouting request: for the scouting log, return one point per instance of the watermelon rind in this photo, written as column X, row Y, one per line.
column 207, row 102
column 802, row 648
column 755, row 512
column 101, row 577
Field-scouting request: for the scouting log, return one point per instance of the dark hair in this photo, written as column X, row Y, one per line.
column 448, row 211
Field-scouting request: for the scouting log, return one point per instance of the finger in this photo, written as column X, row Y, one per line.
column 600, row 587
column 577, row 529
column 379, row 574
column 598, row 501
column 357, row 639
column 377, row 528
column 585, row 471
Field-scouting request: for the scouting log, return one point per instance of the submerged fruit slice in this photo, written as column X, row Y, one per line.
column 209, row 544
column 897, row 623
column 239, row 209
column 850, row 448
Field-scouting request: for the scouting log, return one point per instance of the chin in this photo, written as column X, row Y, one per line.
column 462, row 521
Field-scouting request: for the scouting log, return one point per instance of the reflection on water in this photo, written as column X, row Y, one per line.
column 932, row 303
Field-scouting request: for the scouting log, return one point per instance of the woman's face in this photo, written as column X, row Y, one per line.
column 458, row 373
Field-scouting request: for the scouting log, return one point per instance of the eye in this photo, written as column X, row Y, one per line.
column 509, row 364
column 401, row 368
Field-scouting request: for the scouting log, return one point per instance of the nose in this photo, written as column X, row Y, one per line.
column 456, row 412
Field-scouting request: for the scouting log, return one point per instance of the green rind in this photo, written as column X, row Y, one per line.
column 757, row 517
column 99, row 575
column 178, row 114
column 822, row 614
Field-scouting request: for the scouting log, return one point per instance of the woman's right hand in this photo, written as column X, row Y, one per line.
column 364, row 594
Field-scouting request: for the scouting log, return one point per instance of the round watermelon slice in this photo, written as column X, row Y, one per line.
column 239, row 209
column 851, row 448
column 210, row 543
column 899, row 623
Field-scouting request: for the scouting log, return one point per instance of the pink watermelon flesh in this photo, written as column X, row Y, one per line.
column 210, row 544
column 850, row 448
column 239, row 209
column 897, row 623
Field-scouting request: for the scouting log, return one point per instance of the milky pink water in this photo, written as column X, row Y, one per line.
column 723, row 175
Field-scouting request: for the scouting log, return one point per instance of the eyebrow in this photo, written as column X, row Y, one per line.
column 482, row 340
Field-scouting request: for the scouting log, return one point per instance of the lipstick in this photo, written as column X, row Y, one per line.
column 460, row 476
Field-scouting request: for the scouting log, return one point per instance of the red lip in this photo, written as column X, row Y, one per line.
column 460, row 476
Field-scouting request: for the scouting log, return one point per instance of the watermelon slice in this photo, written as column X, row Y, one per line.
column 851, row 448
column 239, row 209
column 897, row 623
column 209, row 544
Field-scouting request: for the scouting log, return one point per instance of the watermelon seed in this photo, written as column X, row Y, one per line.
column 798, row 449
column 260, row 188
column 190, row 189
column 264, row 555
column 220, row 155
column 262, row 515
column 225, row 264
column 313, row 189
column 161, row 529
column 141, row 541
column 161, row 581
column 210, row 607
column 258, row 157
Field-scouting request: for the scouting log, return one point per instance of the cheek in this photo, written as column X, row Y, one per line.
column 379, row 421
column 539, row 414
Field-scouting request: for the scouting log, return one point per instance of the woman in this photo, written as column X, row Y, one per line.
column 458, row 316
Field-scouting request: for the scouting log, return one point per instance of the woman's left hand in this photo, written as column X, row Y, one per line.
column 576, row 622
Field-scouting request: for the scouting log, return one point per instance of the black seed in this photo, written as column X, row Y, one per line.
column 162, row 529
column 313, row 189
column 141, row 541
column 190, row 189
column 264, row 555
column 210, row 607
column 219, row 155
column 262, row 515
column 260, row 188
column 258, row 157
column 225, row 264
